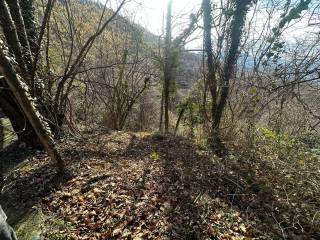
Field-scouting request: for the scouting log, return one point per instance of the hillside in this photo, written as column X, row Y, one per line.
column 108, row 131
column 144, row 186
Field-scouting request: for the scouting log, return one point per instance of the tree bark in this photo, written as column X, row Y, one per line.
column 211, row 75
column 161, row 112
column 12, row 39
column 16, row 15
column 167, row 67
column 238, row 22
column 28, row 10
column 1, row 135
column 220, row 96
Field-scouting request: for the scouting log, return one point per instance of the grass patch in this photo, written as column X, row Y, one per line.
column 8, row 134
column 30, row 227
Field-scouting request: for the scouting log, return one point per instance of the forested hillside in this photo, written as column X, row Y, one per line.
column 208, row 129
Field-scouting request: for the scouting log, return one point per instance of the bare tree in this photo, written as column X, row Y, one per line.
column 220, row 95
column 167, row 66
column 75, row 61
column 172, row 50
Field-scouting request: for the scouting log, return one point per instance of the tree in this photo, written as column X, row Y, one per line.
column 24, row 43
column 220, row 94
column 168, row 71
column 172, row 49
column 22, row 55
column 76, row 58
column 124, row 77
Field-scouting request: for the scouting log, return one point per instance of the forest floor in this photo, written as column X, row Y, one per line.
column 142, row 186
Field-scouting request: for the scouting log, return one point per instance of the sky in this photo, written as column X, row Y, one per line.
column 150, row 14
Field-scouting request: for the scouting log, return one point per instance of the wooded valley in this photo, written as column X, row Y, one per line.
column 208, row 128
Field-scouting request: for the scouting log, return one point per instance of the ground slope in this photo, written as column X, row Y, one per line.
column 141, row 186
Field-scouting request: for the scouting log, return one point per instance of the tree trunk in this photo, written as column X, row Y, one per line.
column 214, row 139
column 161, row 113
column 1, row 135
column 27, row 10
column 237, row 24
column 16, row 15
column 12, row 39
column 181, row 112
column 167, row 67
column 211, row 75
column 21, row 95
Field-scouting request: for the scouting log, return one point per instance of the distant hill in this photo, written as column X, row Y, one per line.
column 189, row 70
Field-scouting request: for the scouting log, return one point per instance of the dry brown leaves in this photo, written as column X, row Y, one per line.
column 136, row 186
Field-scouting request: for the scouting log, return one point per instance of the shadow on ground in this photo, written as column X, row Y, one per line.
column 202, row 196
column 25, row 188
column 13, row 155
column 195, row 182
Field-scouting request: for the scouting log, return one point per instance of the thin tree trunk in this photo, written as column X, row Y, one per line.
column 214, row 139
column 161, row 113
column 172, row 51
column 22, row 97
column 1, row 135
column 37, row 47
column 211, row 75
column 167, row 67
column 12, row 39
column 28, row 14
column 16, row 15
column 179, row 119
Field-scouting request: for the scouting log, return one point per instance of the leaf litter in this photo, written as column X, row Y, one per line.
column 140, row 186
